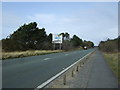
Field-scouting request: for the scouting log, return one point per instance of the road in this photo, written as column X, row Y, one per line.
column 30, row 72
column 101, row 74
column 95, row 73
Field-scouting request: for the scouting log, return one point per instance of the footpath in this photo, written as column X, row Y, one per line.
column 94, row 74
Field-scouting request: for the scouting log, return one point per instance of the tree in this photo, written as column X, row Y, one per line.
column 89, row 44
column 26, row 37
column 109, row 45
column 63, row 35
column 67, row 36
column 30, row 37
column 76, row 41
column 49, row 38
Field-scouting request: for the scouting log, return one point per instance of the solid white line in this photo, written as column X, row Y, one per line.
column 57, row 75
column 46, row 58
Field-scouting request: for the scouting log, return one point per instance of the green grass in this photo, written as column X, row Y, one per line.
column 112, row 60
column 8, row 55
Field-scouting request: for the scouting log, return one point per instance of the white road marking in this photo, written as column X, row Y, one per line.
column 46, row 58
column 66, row 54
column 60, row 73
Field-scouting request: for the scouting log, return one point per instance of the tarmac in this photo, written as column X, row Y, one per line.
column 95, row 73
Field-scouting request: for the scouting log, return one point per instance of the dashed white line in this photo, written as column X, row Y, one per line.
column 66, row 54
column 60, row 73
column 46, row 58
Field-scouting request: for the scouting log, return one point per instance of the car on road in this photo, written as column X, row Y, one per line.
column 85, row 47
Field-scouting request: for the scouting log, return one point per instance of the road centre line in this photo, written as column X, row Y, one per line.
column 46, row 58
column 66, row 54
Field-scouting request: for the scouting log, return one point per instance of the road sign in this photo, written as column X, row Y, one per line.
column 56, row 38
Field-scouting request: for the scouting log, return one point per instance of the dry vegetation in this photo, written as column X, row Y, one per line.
column 111, row 51
column 7, row 55
column 19, row 54
column 112, row 59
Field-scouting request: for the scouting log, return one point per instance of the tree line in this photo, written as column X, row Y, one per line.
column 110, row 45
column 30, row 37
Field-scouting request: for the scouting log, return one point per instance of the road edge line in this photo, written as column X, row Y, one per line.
column 60, row 73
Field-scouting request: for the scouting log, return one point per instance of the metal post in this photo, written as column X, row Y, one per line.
column 73, row 73
column 77, row 69
column 54, row 46
column 80, row 64
column 64, row 80
column 60, row 46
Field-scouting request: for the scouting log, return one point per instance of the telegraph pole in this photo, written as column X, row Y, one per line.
column 60, row 46
column 54, row 46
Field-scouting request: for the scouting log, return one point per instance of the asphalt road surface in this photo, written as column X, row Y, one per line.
column 30, row 72
column 95, row 73
column 101, row 74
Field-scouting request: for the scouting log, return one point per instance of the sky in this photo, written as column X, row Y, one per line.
column 94, row 21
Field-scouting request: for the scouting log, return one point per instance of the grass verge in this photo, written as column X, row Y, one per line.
column 112, row 60
column 8, row 55
column 19, row 54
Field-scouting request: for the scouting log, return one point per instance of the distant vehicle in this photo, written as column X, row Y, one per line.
column 85, row 47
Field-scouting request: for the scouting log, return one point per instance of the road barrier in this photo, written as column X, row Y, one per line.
column 69, row 71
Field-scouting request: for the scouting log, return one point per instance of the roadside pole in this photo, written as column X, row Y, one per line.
column 60, row 46
column 54, row 46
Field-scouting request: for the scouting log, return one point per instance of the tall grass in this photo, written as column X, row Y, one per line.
column 112, row 60
column 19, row 54
column 8, row 55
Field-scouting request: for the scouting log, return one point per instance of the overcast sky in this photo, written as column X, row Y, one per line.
column 93, row 21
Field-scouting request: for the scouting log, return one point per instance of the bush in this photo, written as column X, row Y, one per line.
column 109, row 45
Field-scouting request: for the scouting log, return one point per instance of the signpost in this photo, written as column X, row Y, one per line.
column 57, row 39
